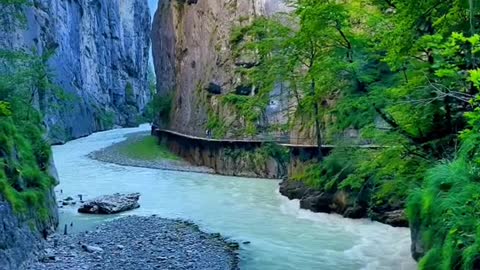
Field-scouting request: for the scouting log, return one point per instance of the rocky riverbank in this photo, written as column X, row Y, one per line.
column 134, row 243
column 341, row 203
column 113, row 154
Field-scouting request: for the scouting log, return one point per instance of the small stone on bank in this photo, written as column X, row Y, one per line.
column 92, row 249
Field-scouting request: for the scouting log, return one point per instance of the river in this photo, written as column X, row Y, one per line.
column 282, row 236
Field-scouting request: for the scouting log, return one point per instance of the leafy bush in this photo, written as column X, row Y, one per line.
column 446, row 209
column 24, row 156
column 160, row 107
column 5, row 109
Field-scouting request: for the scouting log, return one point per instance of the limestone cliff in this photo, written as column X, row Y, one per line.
column 194, row 60
column 100, row 60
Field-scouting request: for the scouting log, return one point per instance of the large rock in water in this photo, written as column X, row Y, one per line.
column 111, row 204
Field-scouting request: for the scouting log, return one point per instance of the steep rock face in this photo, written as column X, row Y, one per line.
column 17, row 239
column 101, row 51
column 20, row 234
column 417, row 246
column 232, row 158
column 193, row 57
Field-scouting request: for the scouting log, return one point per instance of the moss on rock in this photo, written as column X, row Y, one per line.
column 24, row 161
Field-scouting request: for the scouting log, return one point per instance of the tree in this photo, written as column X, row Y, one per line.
column 310, row 57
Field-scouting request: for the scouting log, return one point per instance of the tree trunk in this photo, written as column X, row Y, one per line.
column 318, row 129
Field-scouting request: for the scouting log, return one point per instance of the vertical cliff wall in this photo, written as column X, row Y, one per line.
column 20, row 234
column 98, row 64
column 101, row 50
column 193, row 57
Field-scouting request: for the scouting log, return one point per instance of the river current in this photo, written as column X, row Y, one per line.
column 281, row 235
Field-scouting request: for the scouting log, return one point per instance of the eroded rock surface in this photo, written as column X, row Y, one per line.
column 100, row 59
column 20, row 234
column 111, row 204
column 340, row 202
column 193, row 56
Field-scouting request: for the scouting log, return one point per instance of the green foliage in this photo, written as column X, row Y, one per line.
column 15, row 10
column 161, row 106
column 475, row 77
column 249, row 109
column 24, row 153
column 258, row 158
column 129, row 94
column 406, row 74
column 152, row 109
column 446, row 209
column 146, row 148
column 24, row 156
column 106, row 119
column 5, row 109
column 279, row 153
column 216, row 125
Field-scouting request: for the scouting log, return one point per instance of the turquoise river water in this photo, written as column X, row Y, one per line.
column 282, row 235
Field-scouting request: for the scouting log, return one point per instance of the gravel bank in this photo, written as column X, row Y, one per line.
column 135, row 243
column 112, row 154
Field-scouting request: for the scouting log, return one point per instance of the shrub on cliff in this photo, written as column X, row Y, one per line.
column 24, row 161
column 446, row 211
column 25, row 155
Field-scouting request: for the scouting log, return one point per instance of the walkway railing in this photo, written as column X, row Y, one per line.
column 281, row 139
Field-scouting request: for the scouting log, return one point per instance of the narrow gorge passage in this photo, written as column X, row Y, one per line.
column 282, row 134
column 281, row 235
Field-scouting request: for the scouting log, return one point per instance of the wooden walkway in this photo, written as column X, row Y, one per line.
column 256, row 140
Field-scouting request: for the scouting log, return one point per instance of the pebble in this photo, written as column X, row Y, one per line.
column 166, row 244
column 92, row 249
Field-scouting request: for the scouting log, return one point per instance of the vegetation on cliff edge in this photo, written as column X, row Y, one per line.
column 405, row 74
column 24, row 153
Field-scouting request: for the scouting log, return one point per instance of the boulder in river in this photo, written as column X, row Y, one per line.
column 396, row 218
column 111, row 204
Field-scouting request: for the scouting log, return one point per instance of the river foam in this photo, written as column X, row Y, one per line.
column 281, row 235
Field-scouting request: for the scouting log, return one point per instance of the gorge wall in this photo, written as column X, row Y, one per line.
column 232, row 158
column 194, row 61
column 98, row 53
column 18, row 237
column 100, row 60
